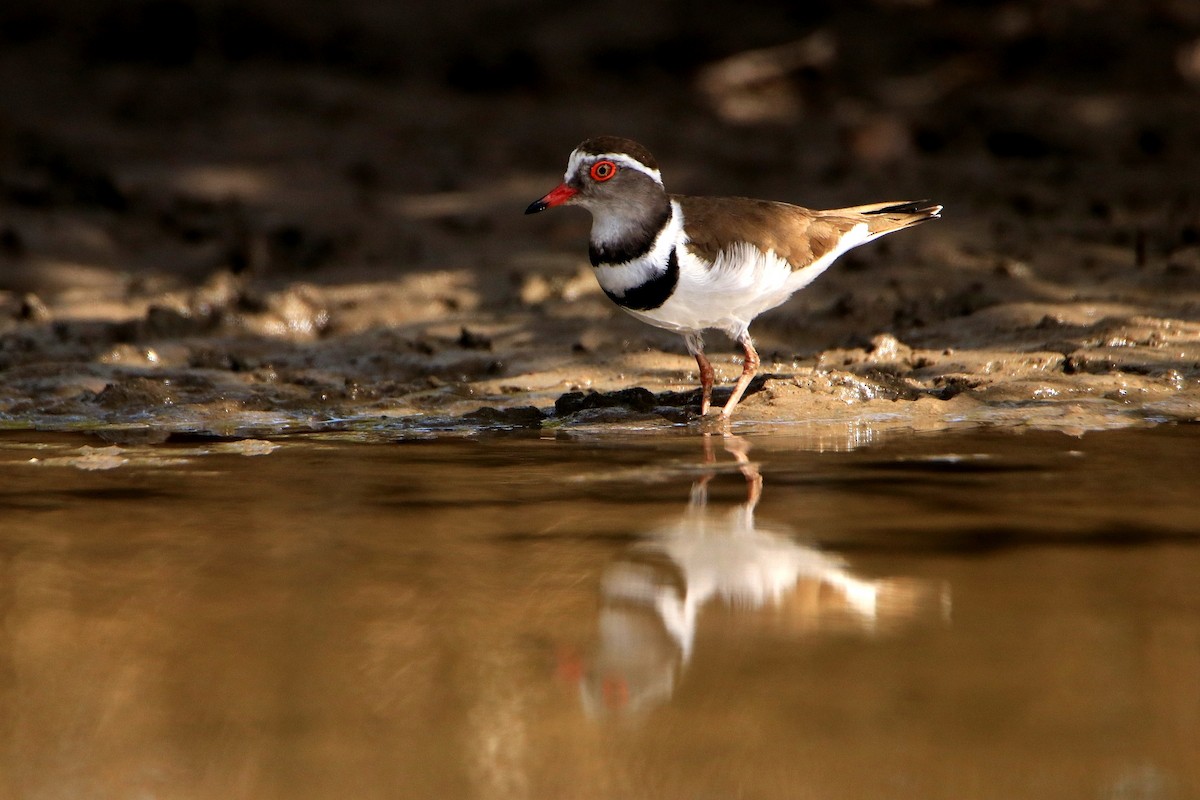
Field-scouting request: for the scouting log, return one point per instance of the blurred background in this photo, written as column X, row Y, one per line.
column 301, row 169
column 136, row 134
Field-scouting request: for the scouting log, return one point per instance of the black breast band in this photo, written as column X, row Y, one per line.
column 654, row 292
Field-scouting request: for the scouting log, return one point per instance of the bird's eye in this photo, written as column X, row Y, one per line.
column 603, row 170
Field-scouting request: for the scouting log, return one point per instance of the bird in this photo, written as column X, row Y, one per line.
column 653, row 594
column 691, row 264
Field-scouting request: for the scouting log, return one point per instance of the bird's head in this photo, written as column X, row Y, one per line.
column 606, row 172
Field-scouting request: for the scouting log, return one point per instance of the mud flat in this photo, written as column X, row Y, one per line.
column 234, row 234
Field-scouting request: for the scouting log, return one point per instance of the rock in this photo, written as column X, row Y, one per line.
column 520, row 417
column 636, row 399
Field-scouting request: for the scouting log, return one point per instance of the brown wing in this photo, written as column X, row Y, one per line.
column 798, row 235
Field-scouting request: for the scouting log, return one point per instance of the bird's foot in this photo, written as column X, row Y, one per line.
column 715, row 423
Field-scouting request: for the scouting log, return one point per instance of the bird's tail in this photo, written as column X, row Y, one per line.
column 884, row 218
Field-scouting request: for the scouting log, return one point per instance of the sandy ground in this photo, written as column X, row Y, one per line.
column 222, row 218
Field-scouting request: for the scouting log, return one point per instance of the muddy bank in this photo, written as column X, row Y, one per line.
column 1069, row 366
column 265, row 233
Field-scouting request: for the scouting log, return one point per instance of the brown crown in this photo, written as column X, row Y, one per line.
column 616, row 144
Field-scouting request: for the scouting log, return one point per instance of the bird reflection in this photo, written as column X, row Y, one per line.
column 653, row 594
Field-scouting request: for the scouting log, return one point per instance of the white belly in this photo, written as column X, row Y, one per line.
column 743, row 283
column 726, row 295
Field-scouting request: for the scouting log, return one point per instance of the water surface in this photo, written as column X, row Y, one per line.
column 964, row 615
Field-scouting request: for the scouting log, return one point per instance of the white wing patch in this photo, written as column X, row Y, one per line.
column 742, row 283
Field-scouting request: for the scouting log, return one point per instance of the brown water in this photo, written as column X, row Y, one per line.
column 964, row 615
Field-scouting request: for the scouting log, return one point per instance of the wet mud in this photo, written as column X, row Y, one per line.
column 250, row 223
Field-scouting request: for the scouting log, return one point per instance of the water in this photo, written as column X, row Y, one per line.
column 966, row 615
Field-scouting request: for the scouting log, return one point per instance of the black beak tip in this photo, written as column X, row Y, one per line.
column 536, row 206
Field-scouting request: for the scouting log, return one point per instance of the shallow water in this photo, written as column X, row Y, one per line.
column 964, row 615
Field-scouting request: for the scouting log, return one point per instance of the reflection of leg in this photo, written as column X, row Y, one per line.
column 699, row 496
column 739, row 448
column 749, row 368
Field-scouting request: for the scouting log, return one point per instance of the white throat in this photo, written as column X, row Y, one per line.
column 631, row 274
column 613, row 224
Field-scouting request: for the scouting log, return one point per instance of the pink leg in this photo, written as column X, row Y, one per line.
column 749, row 369
column 695, row 346
column 706, row 382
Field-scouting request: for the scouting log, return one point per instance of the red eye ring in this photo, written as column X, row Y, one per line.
column 603, row 170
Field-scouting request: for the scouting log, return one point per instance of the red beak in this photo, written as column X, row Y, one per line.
column 561, row 194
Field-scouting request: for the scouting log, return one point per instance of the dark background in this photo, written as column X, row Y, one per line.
column 1083, row 115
